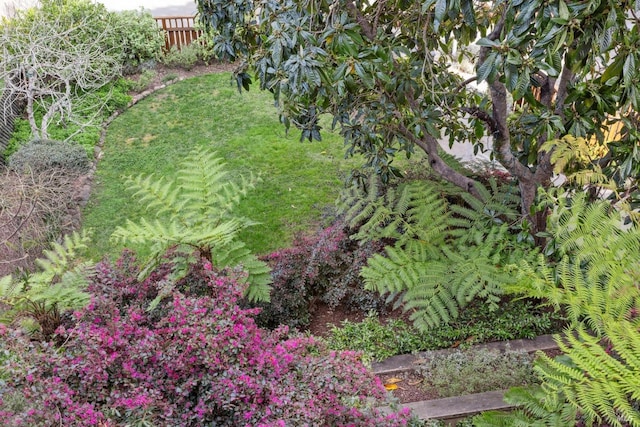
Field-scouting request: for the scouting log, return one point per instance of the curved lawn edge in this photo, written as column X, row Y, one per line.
column 299, row 179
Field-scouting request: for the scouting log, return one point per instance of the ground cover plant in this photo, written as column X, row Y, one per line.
column 196, row 359
column 475, row 371
column 298, row 180
column 380, row 339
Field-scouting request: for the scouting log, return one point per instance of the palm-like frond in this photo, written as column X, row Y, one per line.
column 596, row 282
column 439, row 263
column 60, row 284
column 194, row 213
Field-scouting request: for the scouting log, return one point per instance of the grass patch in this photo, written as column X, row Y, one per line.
column 298, row 179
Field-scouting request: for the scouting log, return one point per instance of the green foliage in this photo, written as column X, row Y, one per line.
column 111, row 97
column 42, row 296
column 377, row 341
column 514, row 319
column 371, row 66
column 184, row 57
column 475, row 371
column 595, row 281
column 139, row 37
column 596, row 275
column 143, row 82
column 539, row 408
column 439, row 263
column 39, row 155
column 194, row 212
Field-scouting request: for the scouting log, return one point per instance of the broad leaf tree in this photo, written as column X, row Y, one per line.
column 382, row 69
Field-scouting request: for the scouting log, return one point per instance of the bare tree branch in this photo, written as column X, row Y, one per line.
column 59, row 66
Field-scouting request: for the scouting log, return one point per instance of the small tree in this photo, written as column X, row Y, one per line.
column 382, row 69
column 54, row 62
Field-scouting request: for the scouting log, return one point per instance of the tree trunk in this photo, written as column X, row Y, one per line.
column 12, row 105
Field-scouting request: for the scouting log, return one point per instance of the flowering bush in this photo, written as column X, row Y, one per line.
column 324, row 267
column 195, row 360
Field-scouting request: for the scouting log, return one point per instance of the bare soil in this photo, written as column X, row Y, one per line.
column 163, row 73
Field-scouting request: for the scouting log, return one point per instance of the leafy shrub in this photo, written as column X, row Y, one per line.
column 169, row 77
column 442, row 257
column 112, row 97
column 477, row 324
column 476, row 371
column 41, row 155
column 185, row 57
column 323, row 267
column 143, row 82
column 139, row 37
column 197, row 360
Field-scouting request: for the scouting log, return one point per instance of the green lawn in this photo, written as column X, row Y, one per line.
column 299, row 179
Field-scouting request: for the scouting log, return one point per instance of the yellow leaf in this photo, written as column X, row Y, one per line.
column 393, row 380
column 391, row 386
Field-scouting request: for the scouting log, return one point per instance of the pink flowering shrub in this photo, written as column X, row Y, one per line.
column 197, row 359
column 323, row 267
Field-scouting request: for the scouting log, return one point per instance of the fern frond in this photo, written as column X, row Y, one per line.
column 60, row 285
column 236, row 254
column 194, row 215
column 205, row 183
column 596, row 283
column 496, row 206
column 57, row 259
column 156, row 194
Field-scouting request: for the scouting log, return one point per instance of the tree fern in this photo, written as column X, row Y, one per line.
column 596, row 282
column 59, row 286
column 495, row 205
column 398, row 212
column 194, row 213
column 438, row 263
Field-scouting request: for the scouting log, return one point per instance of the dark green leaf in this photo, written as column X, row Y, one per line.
column 441, row 10
column 468, row 13
column 487, row 42
column 629, row 70
column 428, row 3
column 563, row 10
column 613, row 70
column 484, row 70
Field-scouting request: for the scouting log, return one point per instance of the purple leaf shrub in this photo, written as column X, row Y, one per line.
column 324, row 267
column 197, row 359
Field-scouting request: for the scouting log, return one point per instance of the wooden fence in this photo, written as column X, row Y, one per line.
column 178, row 30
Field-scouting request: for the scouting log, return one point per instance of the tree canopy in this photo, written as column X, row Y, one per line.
column 383, row 70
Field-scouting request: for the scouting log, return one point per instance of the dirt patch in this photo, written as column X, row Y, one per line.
column 325, row 317
column 164, row 74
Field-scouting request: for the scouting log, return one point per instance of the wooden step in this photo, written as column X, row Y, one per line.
column 452, row 409
column 406, row 362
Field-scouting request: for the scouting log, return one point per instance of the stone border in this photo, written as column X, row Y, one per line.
column 85, row 182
